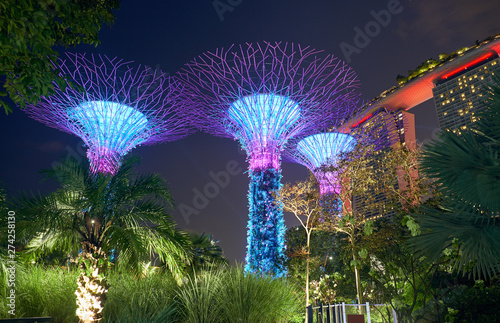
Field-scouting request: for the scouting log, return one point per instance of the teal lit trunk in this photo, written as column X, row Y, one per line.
column 266, row 226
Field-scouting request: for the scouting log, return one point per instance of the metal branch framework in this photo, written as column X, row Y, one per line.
column 113, row 107
column 323, row 149
column 263, row 95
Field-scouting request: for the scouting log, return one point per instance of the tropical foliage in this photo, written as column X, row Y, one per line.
column 94, row 217
column 205, row 253
column 29, row 31
column 467, row 168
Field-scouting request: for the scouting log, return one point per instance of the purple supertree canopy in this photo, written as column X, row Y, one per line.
column 113, row 107
column 319, row 151
column 323, row 149
column 266, row 93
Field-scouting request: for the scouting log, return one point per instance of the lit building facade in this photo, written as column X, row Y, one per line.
column 402, row 134
column 457, row 87
column 459, row 95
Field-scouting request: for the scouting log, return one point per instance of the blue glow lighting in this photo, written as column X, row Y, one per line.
column 263, row 123
column 111, row 130
column 266, row 226
column 323, row 149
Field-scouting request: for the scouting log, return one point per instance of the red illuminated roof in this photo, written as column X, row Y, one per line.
column 476, row 61
column 366, row 117
column 419, row 89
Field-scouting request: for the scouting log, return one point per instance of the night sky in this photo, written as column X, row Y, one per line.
column 166, row 34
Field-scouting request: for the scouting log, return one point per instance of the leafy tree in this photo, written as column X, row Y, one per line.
column 29, row 31
column 302, row 201
column 401, row 275
column 99, row 214
column 357, row 178
column 467, row 168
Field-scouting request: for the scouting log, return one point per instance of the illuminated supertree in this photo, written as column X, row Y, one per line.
column 320, row 152
column 263, row 95
column 112, row 107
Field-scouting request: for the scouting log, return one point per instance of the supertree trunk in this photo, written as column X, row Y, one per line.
column 266, row 226
column 92, row 283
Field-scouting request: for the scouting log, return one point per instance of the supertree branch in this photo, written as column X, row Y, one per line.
column 263, row 95
column 113, row 107
column 319, row 87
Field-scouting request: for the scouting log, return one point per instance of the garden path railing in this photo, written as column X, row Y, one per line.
column 346, row 313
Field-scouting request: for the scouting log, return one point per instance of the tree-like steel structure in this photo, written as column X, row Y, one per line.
column 112, row 107
column 320, row 152
column 263, row 95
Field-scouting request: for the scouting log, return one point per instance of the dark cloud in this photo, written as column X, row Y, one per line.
column 443, row 22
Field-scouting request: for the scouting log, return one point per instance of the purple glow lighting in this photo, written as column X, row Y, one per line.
column 324, row 149
column 263, row 95
column 116, row 108
column 268, row 120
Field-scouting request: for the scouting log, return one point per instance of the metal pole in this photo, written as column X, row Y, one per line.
column 395, row 316
column 310, row 314
column 328, row 319
column 343, row 311
column 368, row 312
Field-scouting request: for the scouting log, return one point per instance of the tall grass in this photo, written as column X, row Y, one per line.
column 199, row 298
column 44, row 292
column 226, row 295
column 250, row 298
column 145, row 299
column 233, row 296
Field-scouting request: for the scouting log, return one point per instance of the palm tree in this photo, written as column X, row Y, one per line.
column 205, row 253
column 467, row 168
column 101, row 214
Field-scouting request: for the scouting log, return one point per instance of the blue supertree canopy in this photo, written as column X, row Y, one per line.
column 264, row 94
column 264, row 122
column 113, row 107
column 263, row 117
column 323, row 149
column 112, row 124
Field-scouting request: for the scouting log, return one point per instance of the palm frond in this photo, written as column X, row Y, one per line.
column 479, row 241
column 465, row 168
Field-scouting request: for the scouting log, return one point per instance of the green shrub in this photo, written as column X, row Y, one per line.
column 213, row 296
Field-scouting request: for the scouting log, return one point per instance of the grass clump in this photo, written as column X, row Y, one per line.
column 232, row 296
column 134, row 299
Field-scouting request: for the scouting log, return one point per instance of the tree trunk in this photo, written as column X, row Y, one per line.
column 92, row 283
column 358, row 278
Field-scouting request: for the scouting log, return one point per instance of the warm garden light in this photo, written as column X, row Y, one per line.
column 263, row 95
column 113, row 108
